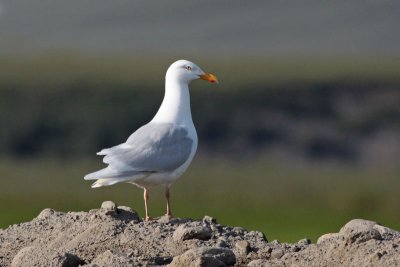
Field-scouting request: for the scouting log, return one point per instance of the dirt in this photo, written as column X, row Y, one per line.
column 117, row 236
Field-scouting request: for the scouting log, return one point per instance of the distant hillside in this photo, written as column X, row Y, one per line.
column 179, row 28
column 65, row 106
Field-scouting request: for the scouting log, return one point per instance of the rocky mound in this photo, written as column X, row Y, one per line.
column 116, row 236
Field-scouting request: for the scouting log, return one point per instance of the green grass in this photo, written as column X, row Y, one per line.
column 285, row 202
column 62, row 70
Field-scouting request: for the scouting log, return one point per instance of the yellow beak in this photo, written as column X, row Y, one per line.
column 209, row 77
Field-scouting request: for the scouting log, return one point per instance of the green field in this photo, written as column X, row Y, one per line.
column 286, row 201
column 56, row 109
column 61, row 70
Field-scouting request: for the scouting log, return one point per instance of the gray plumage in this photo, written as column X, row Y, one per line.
column 155, row 147
column 159, row 152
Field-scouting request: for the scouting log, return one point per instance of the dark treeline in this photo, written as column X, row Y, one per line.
column 319, row 121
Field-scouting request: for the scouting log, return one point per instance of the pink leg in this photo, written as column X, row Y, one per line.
column 146, row 197
column 169, row 213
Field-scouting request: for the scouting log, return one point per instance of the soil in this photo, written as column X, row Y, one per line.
column 117, row 236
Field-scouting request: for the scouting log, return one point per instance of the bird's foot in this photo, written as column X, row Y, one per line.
column 148, row 218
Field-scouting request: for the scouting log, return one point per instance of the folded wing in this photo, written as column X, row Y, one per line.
column 155, row 147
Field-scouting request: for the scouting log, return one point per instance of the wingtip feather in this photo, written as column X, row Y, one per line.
column 95, row 185
column 88, row 177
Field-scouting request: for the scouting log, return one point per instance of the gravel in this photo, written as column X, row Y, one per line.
column 184, row 232
column 116, row 236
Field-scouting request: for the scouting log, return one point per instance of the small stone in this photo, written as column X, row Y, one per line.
column 215, row 227
column 360, row 230
column 264, row 252
column 34, row 256
column 268, row 249
column 329, row 237
column 275, row 242
column 238, row 230
column 109, row 206
column 252, row 255
column 165, row 219
column 125, row 208
column 184, row 232
column 243, row 247
column 294, row 248
column 44, row 214
column 277, row 253
column 304, row 242
column 209, row 220
column 259, row 235
column 162, row 260
column 386, row 232
column 221, row 243
column 205, row 256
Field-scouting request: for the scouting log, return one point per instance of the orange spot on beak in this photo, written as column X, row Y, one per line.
column 209, row 77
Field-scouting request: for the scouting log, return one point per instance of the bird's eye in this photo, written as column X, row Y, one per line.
column 188, row 68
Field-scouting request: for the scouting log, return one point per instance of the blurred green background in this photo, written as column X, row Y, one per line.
column 301, row 135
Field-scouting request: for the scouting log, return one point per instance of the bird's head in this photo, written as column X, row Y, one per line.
column 186, row 71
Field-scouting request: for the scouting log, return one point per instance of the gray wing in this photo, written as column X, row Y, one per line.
column 155, row 147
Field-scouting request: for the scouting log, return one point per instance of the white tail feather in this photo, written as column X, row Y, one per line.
column 106, row 182
column 103, row 173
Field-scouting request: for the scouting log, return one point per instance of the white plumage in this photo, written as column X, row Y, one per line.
column 160, row 151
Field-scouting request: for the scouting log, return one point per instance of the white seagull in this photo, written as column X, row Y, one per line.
column 159, row 152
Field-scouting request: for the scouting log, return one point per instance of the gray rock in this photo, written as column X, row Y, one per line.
column 264, row 252
column 209, row 220
column 277, row 253
column 295, row 248
column 329, row 237
column 386, row 232
column 275, row 242
column 126, row 214
column 46, row 213
column 208, row 262
column 164, row 219
column 304, row 242
column 33, row 256
column 108, row 238
column 243, row 247
column 221, row 243
column 205, row 256
column 109, row 206
column 172, row 220
column 162, row 260
column 360, row 230
column 252, row 255
column 238, row 230
column 124, row 208
column 259, row 235
column 184, row 232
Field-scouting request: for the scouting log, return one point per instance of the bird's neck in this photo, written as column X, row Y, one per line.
column 175, row 107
